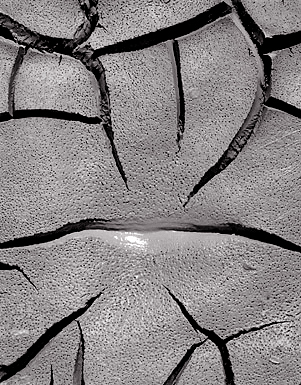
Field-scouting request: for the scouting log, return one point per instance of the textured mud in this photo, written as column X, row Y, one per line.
column 150, row 193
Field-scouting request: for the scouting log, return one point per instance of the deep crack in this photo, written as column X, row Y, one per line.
column 69, row 228
column 50, row 114
column 174, row 51
column 132, row 226
column 254, row 31
column 279, row 42
column 251, row 122
column 280, row 105
column 255, row 37
column 7, row 371
column 169, row 33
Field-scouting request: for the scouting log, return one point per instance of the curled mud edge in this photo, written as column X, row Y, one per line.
column 96, row 227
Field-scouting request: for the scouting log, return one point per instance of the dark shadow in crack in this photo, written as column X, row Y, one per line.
column 174, row 51
column 85, row 55
column 78, row 373
column 6, row 266
column 69, row 228
column 12, row 30
column 213, row 337
column 254, row 31
column 7, row 371
column 280, row 105
column 244, row 133
column 12, row 81
column 30, row 39
column 110, row 134
column 179, row 369
column 169, row 33
column 131, row 226
column 279, row 42
column 50, row 114
column 220, row 343
column 51, row 376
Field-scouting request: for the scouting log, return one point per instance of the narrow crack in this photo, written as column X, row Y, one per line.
column 169, row 33
column 282, row 106
column 12, row 81
column 181, row 366
column 279, row 42
column 131, row 226
column 7, row 371
column 213, row 337
column 174, row 52
column 250, row 124
column 51, row 376
column 251, row 330
column 50, row 114
column 78, row 374
column 6, row 266
column 22, row 35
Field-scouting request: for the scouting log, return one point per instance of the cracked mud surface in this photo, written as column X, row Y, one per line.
column 150, row 192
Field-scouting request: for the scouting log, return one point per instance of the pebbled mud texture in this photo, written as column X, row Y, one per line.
column 150, row 192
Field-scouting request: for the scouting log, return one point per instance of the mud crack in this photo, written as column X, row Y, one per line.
column 255, row 114
column 131, row 226
column 12, row 81
column 280, row 105
column 179, row 369
column 78, row 374
column 279, row 42
column 50, row 114
column 213, row 337
column 174, row 52
column 169, row 33
column 7, row 371
column 6, row 266
column 12, row 30
column 219, row 342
